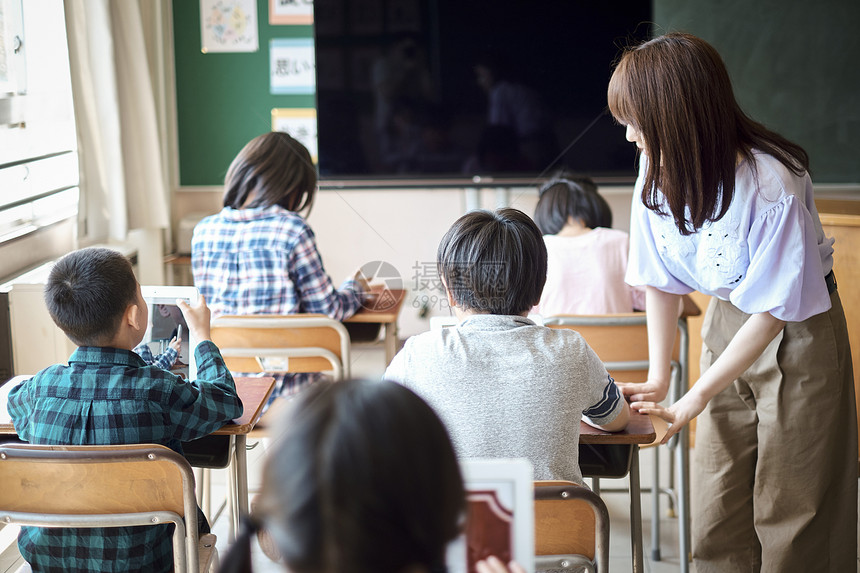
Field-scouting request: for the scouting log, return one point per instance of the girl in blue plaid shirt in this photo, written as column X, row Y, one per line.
column 258, row 255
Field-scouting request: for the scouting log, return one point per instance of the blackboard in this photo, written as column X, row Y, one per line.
column 223, row 100
column 795, row 67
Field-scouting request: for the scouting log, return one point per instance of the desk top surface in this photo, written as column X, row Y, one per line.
column 640, row 430
column 383, row 307
column 254, row 393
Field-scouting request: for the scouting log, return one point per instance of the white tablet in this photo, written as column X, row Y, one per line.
column 500, row 521
column 166, row 321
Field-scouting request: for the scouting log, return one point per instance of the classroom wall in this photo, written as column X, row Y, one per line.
column 402, row 228
column 762, row 43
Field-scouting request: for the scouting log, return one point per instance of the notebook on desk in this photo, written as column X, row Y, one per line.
column 500, row 514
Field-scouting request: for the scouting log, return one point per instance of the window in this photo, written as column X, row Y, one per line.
column 38, row 147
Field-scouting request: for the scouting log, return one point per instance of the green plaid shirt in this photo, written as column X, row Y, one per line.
column 111, row 396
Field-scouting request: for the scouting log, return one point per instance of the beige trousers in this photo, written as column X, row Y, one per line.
column 775, row 485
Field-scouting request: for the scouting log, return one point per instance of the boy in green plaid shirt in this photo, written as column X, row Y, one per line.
column 108, row 395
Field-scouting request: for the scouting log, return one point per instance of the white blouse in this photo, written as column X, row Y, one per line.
column 768, row 253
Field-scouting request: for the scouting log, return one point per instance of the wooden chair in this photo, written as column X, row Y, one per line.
column 621, row 342
column 294, row 343
column 105, row 486
column 571, row 528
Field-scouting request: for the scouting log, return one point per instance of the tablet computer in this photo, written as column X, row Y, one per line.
column 500, row 514
column 166, row 322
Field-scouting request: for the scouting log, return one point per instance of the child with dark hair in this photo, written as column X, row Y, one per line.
column 108, row 395
column 335, row 501
column 504, row 386
column 586, row 258
column 258, row 255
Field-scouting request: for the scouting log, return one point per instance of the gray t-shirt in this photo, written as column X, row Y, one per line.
column 506, row 387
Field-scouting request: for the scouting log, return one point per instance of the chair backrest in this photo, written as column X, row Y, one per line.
column 620, row 340
column 283, row 343
column 101, row 486
column 571, row 527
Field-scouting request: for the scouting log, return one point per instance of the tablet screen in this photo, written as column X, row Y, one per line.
column 166, row 322
column 500, row 514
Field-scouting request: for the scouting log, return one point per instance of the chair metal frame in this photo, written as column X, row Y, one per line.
column 94, row 468
column 596, row 560
column 680, row 462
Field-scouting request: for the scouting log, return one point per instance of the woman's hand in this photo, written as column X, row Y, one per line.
column 493, row 564
column 677, row 415
column 650, row 391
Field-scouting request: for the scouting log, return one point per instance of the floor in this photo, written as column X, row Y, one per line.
column 368, row 362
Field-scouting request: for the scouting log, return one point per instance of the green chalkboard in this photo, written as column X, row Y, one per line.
column 795, row 66
column 223, row 99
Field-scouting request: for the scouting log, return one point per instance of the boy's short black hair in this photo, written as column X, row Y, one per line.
column 493, row 262
column 88, row 292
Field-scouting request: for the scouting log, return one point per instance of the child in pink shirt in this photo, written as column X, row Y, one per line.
column 586, row 259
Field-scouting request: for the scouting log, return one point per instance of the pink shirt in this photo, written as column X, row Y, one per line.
column 585, row 275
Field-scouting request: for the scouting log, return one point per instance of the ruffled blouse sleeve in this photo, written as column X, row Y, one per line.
column 785, row 275
column 645, row 265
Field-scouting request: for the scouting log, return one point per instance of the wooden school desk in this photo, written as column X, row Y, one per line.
column 639, row 430
column 381, row 310
column 254, row 392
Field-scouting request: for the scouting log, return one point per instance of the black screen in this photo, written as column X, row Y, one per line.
column 426, row 89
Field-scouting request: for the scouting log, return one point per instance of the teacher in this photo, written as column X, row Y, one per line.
column 725, row 206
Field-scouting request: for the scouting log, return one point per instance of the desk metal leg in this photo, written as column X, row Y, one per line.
column 390, row 341
column 232, row 513
column 636, row 514
column 683, row 464
column 237, row 490
column 655, row 506
column 241, row 476
column 206, row 497
column 683, row 455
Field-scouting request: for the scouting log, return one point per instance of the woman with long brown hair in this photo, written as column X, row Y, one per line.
column 725, row 206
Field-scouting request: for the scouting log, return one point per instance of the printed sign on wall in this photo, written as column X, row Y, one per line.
column 292, row 66
column 291, row 12
column 301, row 123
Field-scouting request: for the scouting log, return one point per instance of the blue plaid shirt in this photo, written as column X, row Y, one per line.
column 110, row 396
column 165, row 360
column 265, row 261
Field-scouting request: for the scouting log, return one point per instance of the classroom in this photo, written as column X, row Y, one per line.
column 124, row 125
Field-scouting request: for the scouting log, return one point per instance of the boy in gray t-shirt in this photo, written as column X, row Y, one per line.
column 504, row 386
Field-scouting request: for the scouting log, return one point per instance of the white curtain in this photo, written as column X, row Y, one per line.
column 121, row 140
